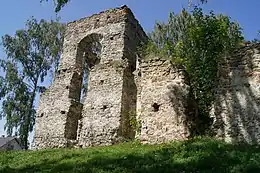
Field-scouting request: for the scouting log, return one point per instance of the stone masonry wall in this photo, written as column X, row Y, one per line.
column 105, row 117
column 54, row 111
column 236, row 111
column 130, row 97
column 104, row 46
column 162, row 102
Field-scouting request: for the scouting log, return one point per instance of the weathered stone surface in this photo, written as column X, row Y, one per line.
column 104, row 46
column 236, row 110
column 54, row 111
column 162, row 102
column 129, row 97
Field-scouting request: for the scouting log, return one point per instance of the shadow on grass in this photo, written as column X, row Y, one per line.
column 199, row 155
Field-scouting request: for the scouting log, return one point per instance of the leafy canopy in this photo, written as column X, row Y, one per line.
column 32, row 54
column 198, row 42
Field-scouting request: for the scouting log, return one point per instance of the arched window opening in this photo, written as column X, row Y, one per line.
column 88, row 55
column 90, row 51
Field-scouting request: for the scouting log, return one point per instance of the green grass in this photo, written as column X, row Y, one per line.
column 196, row 156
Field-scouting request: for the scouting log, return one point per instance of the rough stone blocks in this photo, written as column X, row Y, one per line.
column 104, row 93
column 99, row 53
column 236, row 110
column 162, row 102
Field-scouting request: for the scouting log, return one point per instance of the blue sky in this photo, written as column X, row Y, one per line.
column 13, row 13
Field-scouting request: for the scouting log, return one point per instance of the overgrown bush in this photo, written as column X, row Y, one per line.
column 198, row 42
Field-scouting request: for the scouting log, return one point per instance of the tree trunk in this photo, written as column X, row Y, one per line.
column 28, row 119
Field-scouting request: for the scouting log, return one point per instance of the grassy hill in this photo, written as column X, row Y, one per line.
column 193, row 156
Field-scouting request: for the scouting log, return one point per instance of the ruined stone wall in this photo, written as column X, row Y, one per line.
column 56, row 114
column 164, row 106
column 162, row 102
column 103, row 46
column 130, row 97
column 111, row 88
column 236, row 111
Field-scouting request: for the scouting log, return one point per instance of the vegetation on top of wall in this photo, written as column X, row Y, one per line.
column 198, row 42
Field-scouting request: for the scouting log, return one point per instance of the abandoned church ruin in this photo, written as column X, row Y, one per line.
column 105, row 93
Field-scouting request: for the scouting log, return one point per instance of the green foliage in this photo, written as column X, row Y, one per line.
column 58, row 3
column 135, row 124
column 61, row 3
column 257, row 40
column 192, row 3
column 198, row 155
column 32, row 54
column 198, row 42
